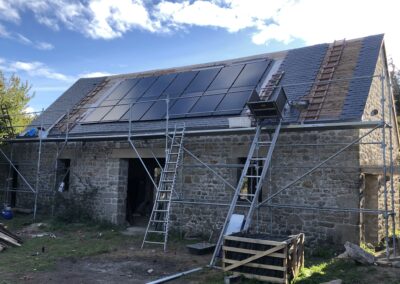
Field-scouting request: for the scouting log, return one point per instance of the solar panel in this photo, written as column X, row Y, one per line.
column 182, row 106
column 180, row 84
column 97, row 114
column 206, row 104
column 251, row 74
column 156, row 111
column 122, row 89
column 137, row 111
column 116, row 113
column 142, row 86
column 233, row 102
column 109, row 103
column 226, row 77
column 159, row 86
column 212, row 91
column 202, row 81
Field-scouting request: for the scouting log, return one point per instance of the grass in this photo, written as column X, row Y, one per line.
column 72, row 241
column 367, row 249
column 78, row 240
column 324, row 270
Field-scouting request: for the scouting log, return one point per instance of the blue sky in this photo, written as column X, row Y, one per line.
column 51, row 43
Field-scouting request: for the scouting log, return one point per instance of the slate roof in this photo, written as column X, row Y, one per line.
column 300, row 66
column 366, row 63
column 67, row 101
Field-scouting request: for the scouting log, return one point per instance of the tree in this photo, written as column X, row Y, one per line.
column 395, row 78
column 14, row 95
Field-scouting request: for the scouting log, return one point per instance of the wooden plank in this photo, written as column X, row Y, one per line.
column 249, row 251
column 260, row 277
column 9, row 240
column 223, row 259
column 253, row 241
column 285, row 265
column 256, row 265
column 10, row 234
column 254, row 257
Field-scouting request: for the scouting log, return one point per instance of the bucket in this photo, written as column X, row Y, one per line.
column 7, row 213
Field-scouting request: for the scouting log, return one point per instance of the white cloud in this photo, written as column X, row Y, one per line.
column 232, row 15
column 279, row 20
column 112, row 19
column 286, row 20
column 8, row 11
column 105, row 19
column 95, row 74
column 29, row 110
column 34, row 69
column 3, row 32
column 42, row 45
column 23, row 39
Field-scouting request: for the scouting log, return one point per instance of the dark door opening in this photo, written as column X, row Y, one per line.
column 250, row 184
column 63, row 174
column 140, row 190
column 14, row 187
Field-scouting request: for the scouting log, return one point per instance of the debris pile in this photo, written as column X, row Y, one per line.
column 8, row 239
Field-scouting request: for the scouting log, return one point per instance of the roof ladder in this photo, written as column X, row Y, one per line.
column 321, row 86
column 157, row 228
column 272, row 85
column 6, row 127
column 262, row 165
column 80, row 109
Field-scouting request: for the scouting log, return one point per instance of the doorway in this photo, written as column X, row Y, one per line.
column 140, row 190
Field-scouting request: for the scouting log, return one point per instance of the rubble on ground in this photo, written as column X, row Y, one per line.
column 358, row 254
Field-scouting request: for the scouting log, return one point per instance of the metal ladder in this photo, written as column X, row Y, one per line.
column 6, row 127
column 253, row 160
column 157, row 228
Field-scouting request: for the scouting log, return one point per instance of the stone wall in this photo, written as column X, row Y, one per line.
column 336, row 184
column 103, row 167
column 372, row 158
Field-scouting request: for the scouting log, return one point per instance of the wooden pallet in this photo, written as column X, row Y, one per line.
column 262, row 259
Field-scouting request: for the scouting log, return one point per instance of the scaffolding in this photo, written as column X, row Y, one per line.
column 384, row 125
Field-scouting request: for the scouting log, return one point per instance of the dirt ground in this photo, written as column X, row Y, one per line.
column 122, row 265
column 82, row 254
column 119, row 267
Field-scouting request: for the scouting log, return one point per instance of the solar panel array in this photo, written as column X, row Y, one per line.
column 212, row 91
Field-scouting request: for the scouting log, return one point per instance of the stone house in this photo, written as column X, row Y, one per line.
column 345, row 198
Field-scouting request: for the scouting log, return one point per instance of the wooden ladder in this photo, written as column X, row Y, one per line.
column 271, row 86
column 6, row 127
column 70, row 120
column 322, row 84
